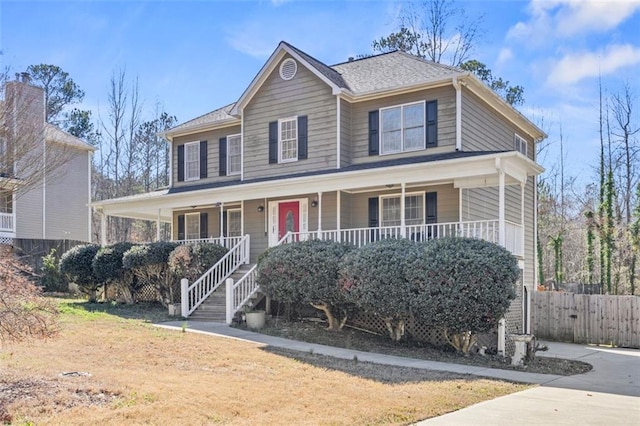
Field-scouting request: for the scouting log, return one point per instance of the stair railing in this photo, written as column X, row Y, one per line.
column 193, row 295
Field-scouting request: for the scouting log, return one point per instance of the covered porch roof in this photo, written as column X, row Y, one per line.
column 463, row 169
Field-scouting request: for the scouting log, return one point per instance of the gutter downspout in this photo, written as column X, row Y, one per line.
column 458, row 86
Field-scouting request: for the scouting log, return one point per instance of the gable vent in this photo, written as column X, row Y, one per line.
column 288, row 69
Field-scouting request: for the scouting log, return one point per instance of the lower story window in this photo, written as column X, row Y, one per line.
column 413, row 210
column 192, row 226
column 234, row 223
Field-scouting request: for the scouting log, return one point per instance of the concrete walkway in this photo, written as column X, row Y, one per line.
column 607, row 395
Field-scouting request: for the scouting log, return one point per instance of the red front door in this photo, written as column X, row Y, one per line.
column 288, row 218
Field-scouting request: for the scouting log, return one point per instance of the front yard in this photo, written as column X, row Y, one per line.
column 140, row 374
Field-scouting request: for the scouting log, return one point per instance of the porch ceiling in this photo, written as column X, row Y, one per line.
column 464, row 172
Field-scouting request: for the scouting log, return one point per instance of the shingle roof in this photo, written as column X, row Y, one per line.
column 389, row 71
column 325, row 70
column 54, row 134
column 219, row 114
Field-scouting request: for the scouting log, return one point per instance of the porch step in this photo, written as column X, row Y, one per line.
column 215, row 307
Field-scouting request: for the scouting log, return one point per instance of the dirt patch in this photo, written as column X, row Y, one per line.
column 40, row 395
column 315, row 332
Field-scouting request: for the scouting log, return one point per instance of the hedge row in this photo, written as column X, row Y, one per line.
column 130, row 267
column 460, row 284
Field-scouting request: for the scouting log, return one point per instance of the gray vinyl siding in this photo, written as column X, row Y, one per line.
column 482, row 203
column 28, row 210
column 483, row 129
column 213, row 155
column 255, row 224
column 345, row 210
column 345, row 133
column 446, row 123
column 447, row 204
column 305, row 94
column 67, row 196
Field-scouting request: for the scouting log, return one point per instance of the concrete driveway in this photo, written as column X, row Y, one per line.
column 607, row 395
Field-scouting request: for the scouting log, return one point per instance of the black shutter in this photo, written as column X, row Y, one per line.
column 180, row 227
column 302, row 137
column 374, row 137
column 180, row 163
column 273, row 142
column 432, row 124
column 224, row 223
column 204, row 225
column 223, row 156
column 431, row 207
column 373, row 212
column 203, row 159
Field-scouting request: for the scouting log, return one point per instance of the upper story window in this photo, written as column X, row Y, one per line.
column 192, row 160
column 288, row 139
column 402, row 128
column 234, row 154
column 520, row 144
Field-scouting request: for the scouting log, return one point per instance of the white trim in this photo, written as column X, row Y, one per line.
column 228, row 221
column 319, row 213
column 280, row 121
column 338, row 211
column 519, row 142
column 338, row 129
column 239, row 172
column 535, row 234
column 458, row 87
column 186, row 226
column 402, row 129
column 242, row 147
column 221, row 219
column 242, row 217
column 501, row 205
column 186, row 161
column 403, row 219
column 402, row 205
column 285, row 63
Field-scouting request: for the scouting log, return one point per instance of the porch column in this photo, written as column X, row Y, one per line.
column 522, row 188
column 242, row 218
column 501, row 208
column 338, row 235
column 403, row 223
column 222, row 224
column 103, row 229
column 158, row 226
column 319, row 215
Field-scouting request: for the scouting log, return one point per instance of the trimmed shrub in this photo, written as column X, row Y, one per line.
column 76, row 263
column 306, row 272
column 191, row 261
column 150, row 265
column 465, row 286
column 374, row 279
column 107, row 268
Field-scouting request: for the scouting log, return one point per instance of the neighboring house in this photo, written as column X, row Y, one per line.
column 385, row 146
column 54, row 205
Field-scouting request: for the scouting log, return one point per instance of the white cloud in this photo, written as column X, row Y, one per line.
column 504, row 56
column 574, row 67
column 566, row 18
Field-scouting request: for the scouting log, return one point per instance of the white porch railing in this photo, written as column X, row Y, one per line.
column 228, row 242
column 239, row 293
column 483, row 229
column 6, row 222
column 194, row 294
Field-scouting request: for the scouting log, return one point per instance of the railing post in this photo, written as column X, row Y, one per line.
column 184, row 297
column 247, row 249
column 229, row 300
column 502, row 335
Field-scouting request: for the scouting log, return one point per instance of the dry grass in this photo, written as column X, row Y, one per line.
column 144, row 375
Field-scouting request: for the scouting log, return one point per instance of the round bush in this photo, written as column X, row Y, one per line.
column 465, row 285
column 306, row 272
column 374, row 278
column 107, row 263
column 149, row 263
column 76, row 265
column 191, row 261
column 148, row 254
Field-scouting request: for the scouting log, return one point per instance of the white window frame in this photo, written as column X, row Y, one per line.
column 280, row 140
column 404, row 213
column 402, row 129
column 187, row 147
column 239, row 137
column 228, row 212
column 518, row 143
column 187, row 235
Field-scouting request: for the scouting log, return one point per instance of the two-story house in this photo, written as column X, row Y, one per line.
column 45, row 173
column 385, row 146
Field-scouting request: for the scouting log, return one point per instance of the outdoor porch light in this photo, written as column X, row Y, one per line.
column 260, row 208
column 314, row 202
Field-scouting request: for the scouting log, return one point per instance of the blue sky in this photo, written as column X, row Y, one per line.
column 195, row 56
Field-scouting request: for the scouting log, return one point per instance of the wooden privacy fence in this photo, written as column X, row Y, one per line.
column 586, row 318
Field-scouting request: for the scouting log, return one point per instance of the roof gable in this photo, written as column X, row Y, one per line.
column 54, row 134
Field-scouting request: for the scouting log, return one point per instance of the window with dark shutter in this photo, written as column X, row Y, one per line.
column 180, row 227
column 432, row 124
column 180, row 163
column 373, row 212
column 374, row 137
column 302, row 137
column 222, row 163
column 203, row 159
column 273, row 142
column 431, row 207
column 204, row 225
